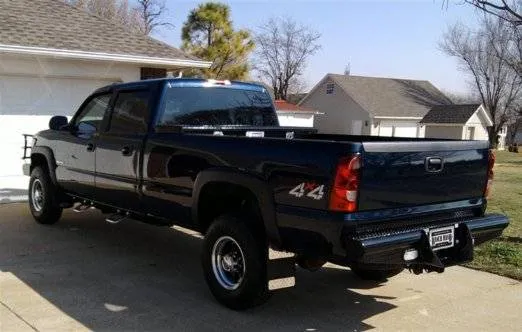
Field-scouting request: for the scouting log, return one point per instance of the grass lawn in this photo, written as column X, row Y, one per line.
column 504, row 255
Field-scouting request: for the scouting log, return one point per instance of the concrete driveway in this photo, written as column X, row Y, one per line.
column 85, row 274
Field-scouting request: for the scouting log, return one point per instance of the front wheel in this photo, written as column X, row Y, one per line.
column 234, row 262
column 42, row 197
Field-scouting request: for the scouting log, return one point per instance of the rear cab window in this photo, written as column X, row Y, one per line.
column 200, row 106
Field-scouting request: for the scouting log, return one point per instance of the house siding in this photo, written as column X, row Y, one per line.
column 481, row 132
column 295, row 120
column 342, row 115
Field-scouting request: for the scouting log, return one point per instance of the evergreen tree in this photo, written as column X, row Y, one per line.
column 208, row 34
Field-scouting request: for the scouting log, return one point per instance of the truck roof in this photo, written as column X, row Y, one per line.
column 186, row 82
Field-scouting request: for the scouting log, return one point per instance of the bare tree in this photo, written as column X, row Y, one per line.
column 152, row 13
column 144, row 17
column 462, row 98
column 514, row 128
column 283, row 48
column 482, row 54
column 508, row 10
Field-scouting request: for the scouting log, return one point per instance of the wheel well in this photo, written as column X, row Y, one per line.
column 39, row 160
column 218, row 198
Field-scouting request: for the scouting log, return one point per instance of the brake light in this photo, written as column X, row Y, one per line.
column 343, row 196
column 491, row 163
column 212, row 82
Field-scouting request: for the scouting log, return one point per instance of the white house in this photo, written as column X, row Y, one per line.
column 359, row 105
column 466, row 121
column 53, row 55
column 291, row 115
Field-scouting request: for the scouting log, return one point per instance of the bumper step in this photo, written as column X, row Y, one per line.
column 388, row 250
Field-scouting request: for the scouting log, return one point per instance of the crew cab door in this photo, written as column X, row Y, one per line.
column 74, row 149
column 118, row 151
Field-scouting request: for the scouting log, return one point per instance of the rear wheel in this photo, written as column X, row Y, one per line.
column 234, row 262
column 42, row 197
column 375, row 275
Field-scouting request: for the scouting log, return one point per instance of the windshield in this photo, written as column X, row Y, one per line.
column 216, row 106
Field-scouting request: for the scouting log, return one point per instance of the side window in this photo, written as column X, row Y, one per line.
column 91, row 116
column 131, row 112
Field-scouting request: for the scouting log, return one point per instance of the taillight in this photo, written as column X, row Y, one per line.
column 343, row 196
column 491, row 163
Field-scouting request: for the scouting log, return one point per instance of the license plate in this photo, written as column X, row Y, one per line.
column 442, row 238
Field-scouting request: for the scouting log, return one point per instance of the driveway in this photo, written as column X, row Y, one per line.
column 85, row 274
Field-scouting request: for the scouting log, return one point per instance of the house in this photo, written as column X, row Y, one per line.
column 291, row 115
column 464, row 121
column 52, row 55
column 359, row 105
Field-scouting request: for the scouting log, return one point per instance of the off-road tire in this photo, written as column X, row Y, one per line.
column 46, row 210
column 253, row 289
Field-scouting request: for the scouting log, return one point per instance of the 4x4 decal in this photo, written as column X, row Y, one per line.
column 310, row 189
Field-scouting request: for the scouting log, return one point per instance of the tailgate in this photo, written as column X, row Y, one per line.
column 406, row 174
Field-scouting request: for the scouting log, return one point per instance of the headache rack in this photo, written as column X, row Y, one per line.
column 27, row 146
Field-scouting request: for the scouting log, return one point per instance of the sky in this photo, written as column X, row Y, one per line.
column 377, row 38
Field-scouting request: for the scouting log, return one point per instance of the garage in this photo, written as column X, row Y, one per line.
column 32, row 94
column 22, row 99
column 46, row 69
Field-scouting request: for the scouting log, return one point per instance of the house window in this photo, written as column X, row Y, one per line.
column 470, row 133
column 147, row 73
column 329, row 88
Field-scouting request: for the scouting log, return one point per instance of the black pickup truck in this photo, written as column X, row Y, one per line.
column 209, row 155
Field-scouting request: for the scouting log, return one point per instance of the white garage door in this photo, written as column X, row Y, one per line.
column 26, row 105
column 44, row 95
column 406, row 131
column 398, row 129
column 386, row 130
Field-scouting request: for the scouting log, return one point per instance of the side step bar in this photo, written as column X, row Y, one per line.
column 83, row 206
column 117, row 217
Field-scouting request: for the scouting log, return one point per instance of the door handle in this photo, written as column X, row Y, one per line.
column 434, row 164
column 90, row 147
column 126, row 150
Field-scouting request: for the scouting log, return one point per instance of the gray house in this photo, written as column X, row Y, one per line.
column 372, row 105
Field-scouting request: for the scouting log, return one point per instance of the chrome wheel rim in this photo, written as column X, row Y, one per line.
column 37, row 195
column 228, row 263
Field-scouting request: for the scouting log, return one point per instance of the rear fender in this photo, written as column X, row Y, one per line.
column 256, row 186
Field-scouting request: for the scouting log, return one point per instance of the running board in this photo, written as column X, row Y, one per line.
column 117, row 217
column 82, row 207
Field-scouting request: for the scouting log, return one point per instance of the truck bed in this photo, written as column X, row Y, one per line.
column 395, row 172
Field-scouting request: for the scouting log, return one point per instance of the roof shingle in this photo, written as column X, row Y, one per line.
column 391, row 97
column 284, row 106
column 458, row 114
column 55, row 24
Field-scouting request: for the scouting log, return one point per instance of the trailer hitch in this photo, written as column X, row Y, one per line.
column 430, row 261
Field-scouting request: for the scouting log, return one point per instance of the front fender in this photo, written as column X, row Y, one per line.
column 48, row 154
column 256, row 186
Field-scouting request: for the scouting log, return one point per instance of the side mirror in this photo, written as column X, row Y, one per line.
column 57, row 122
